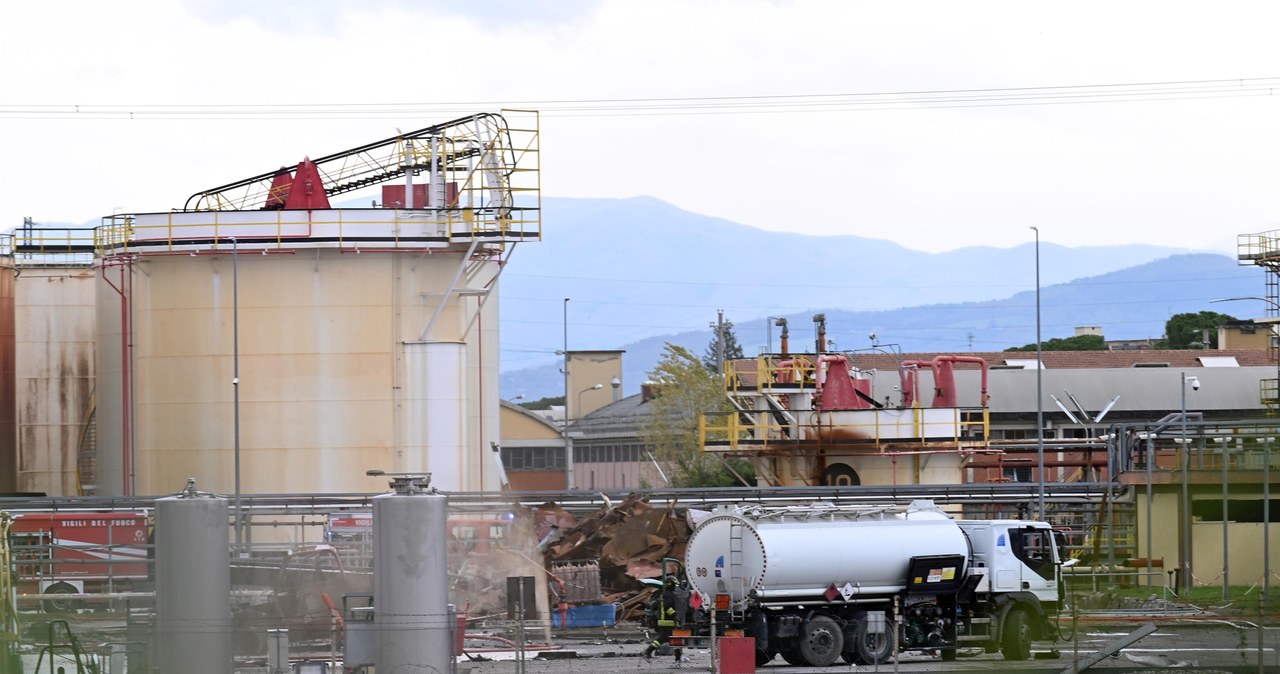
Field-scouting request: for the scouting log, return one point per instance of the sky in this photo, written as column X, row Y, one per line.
column 936, row 125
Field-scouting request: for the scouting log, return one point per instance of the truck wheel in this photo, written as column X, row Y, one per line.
column 822, row 641
column 764, row 657
column 60, row 605
column 873, row 648
column 949, row 654
column 1016, row 635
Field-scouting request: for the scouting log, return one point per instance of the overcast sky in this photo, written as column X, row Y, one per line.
column 1098, row 122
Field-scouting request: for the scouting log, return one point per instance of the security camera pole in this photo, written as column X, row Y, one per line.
column 1186, row 498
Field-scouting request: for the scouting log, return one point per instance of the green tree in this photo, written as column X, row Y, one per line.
column 1187, row 330
column 543, row 403
column 732, row 349
column 686, row 391
column 1077, row 343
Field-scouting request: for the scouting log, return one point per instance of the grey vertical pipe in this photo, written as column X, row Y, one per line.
column 411, row 582
column 1039, row 384
column 1266, row 516
column 1150, row 459
column 235, row 384
column 1185, row 579
column 1226, row 555
column 193, row 584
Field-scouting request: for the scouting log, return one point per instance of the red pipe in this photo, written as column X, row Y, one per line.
column 944, row 385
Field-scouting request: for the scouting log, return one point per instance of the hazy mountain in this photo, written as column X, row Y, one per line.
column 641, row 272
column 1132, row 303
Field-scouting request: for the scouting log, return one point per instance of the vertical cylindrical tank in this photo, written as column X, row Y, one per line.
column 8, row 393
column 411, row 580
column 334, row 370
column 54, row 320
column 193, row 584
column 435, row 393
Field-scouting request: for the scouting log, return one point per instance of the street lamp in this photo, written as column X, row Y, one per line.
column 577, row 409
column 769, row 322
column 1186, row 497
column 1039, row 383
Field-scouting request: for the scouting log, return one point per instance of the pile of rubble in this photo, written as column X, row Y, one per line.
column 629, row 541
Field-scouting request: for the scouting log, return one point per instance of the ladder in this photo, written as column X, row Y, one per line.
column 736, row 575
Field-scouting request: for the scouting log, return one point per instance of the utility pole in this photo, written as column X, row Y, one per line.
column 720, row 340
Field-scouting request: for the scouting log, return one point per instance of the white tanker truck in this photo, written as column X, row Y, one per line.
column 820, row 583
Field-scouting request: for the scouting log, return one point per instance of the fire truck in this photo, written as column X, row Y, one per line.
column 70, row 555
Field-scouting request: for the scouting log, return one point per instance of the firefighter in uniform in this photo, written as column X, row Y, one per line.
column 667, row 610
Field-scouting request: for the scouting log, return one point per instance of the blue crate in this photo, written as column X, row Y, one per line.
column 586, row 615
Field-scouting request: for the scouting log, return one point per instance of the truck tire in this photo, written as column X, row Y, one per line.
column 1015, row 638
column 764, row 657
column 60, row 605
column 792, row 656
column 873, row 648
column 822, row 641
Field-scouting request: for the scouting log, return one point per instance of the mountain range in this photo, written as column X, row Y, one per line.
column 639, row 273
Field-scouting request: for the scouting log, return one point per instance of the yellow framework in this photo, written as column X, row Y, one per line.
column 494, row 160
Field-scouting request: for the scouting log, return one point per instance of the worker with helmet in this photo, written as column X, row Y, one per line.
column 666, row 611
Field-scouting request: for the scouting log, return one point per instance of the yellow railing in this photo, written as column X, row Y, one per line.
column 45, row 245
column 279, row 229
column 769, row 373
column 728, row 431
column 1253, row 248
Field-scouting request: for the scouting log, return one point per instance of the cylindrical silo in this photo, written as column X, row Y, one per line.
column 193, row 584
column 411, row 579
column 8, row 394
column 335, row 376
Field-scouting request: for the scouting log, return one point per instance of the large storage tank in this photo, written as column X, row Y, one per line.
column 801, row 553
column 47, row 326
column 363, row 338
column 8, row 400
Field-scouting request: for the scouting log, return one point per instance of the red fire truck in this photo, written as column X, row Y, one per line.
column 78, row 554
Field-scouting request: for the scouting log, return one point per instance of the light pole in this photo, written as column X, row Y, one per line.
column 568, row 448
column 769, row 322
column 1186, row 497
column 1039, row 384
column 235, row 382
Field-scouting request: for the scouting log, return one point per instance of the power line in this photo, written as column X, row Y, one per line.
column 714, row 105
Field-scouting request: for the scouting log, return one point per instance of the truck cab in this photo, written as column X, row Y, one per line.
column 1014, row 556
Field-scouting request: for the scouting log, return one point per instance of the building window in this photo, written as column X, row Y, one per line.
column 533, row 458
column 1018, row 474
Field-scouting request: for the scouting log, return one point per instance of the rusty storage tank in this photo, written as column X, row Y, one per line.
column 314, row 342
column 51, row 306
column 8, row 400
column 412, row 621
column 192, row 631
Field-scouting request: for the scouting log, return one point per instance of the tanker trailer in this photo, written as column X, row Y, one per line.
column 819, row 583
